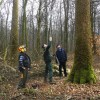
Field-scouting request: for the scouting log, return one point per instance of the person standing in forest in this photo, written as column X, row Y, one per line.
column 24, row 66
column 61, row 58
column 47, row 60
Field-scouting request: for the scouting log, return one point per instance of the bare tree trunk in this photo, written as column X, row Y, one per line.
column 61, row 33
column 72, row 29
column 24, row 26
column 93, row 14
column 6, row 37
column 2, row 35
column 51, row 28
column 46, row 22
column 14, row 34
column 66, row 10
column 38, row 28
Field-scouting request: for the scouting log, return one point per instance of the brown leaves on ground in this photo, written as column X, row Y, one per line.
column 46, row 91
column 36, row 89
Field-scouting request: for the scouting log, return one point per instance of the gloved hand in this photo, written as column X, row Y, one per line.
column 23, row 67
column 50, row 38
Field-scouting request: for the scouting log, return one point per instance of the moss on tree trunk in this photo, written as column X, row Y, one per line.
column 82, row 71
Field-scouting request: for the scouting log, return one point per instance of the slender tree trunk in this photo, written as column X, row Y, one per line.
column 61, row 33
column 24, row 26
column 66, row 10
column 46, row 23
column 51, row 28
column 2, row 35
column 38, row 28
column 14, row 34
column 92, row 9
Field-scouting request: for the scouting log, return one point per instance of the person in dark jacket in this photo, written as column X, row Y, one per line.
column 24, row 66
column 47, row 60
column 61, row 58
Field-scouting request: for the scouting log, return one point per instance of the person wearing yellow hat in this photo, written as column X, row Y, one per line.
column 24, row 66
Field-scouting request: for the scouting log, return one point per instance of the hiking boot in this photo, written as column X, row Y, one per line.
column 45, row 81
column 52, row 82
column 20, row 87
column 66, row 75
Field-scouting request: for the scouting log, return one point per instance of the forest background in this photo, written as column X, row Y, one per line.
column 31, row 22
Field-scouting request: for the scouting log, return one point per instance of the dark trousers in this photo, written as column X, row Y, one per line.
column 62, row 65
column 48, row 72
column 23, row 79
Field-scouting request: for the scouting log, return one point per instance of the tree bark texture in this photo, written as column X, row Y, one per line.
column 14, row 33
column 82, row 71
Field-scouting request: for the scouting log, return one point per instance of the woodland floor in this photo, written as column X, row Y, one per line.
column 44, row 91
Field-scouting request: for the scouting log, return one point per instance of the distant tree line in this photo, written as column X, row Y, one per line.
column 33, row 21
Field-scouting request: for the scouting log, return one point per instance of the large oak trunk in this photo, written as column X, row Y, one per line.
column 82, row 71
